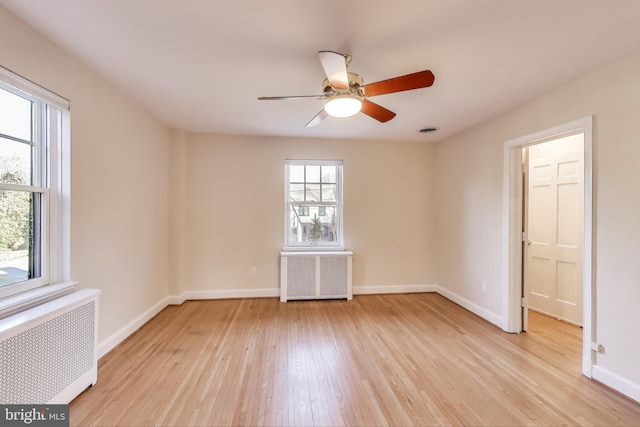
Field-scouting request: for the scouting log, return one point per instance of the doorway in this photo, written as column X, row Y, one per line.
column 553, row 217
column 515, row 239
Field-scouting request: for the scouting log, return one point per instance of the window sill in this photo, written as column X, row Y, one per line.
column 313, row 249
column 25, row 300
column 313, row 252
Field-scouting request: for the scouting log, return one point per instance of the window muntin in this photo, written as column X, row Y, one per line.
column 314, row 204
column 32, row 122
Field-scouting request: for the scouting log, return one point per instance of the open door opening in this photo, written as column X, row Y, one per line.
column 520, row 289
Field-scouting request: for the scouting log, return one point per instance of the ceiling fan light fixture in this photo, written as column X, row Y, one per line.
column 345, row 93
column 343, row 106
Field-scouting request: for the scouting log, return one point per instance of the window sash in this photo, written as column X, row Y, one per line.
column 296, row 204
column 50, row 179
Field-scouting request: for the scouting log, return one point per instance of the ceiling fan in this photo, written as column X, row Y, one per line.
column 346, row 94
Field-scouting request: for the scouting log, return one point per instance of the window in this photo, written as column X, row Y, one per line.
column 34, row 133
column 313, row 193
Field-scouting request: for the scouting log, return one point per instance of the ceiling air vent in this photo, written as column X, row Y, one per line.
column 428, row 129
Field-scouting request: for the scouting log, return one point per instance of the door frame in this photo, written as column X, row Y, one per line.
column 513, row 235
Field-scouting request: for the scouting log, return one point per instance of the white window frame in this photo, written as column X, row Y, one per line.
column 51, row 136
column 338, row 244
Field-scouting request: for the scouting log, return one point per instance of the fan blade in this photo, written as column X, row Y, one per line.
column 278, row 98
column 335, row 67
column 376, row 111
column 398, row 84
column 318, row 118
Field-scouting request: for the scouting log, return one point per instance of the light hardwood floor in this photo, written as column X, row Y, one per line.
column 412, row 359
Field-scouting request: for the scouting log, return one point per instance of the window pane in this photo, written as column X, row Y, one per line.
column 295, row 225
column 15, row 162
column 15, row 115
column 313, row 192
column 328, row 174
column 313, row 228
column 296, row 192
column 296, row 173
column 329, row 221
column 313, row 173
column 19, row 236
column 328, row 192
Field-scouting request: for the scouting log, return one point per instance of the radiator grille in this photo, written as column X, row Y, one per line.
column 333, row 275
column 301, row 276
column 36, row 364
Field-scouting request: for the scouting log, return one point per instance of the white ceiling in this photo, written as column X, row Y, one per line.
column 199, row 65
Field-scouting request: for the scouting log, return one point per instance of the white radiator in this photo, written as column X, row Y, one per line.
column 48, row 353
column 316, row 275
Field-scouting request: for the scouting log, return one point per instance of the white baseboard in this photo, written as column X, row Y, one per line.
column 177, row 299
column 233, row 293
column 616, row 382
column 108, row 344
column 394, row 289
column 472, row 307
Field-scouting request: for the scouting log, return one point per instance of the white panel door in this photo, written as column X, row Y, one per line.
column 555, row 228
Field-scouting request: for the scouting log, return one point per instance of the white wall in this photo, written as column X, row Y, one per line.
column 469, row 209
column 119, row 179
column 234, row 209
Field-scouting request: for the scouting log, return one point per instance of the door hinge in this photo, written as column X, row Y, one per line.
column 522, row 302
column 524, row 236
